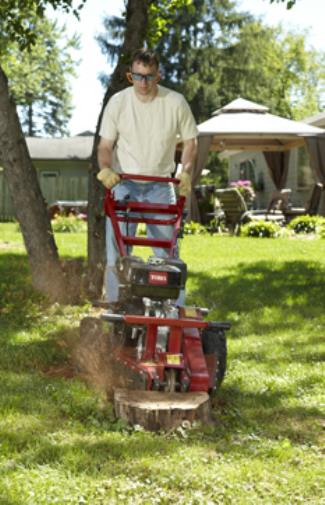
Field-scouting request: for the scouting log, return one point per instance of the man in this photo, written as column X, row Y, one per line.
column 140, row 128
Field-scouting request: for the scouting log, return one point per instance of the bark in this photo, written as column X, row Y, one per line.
column 29, row 204
column 135, row 33
column 30, row 121
column 155, row 410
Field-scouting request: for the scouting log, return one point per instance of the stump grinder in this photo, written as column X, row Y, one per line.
column 166, row 358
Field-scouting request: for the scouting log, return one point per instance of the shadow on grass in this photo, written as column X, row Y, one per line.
column 89, row 436
column 8, row 501
column 19, row 302
column 31, row 356
column 90, row 443
column 268, row 297
column 271, row 412
column 249, row 421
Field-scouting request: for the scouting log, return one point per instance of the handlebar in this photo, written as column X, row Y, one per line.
column 149, row 178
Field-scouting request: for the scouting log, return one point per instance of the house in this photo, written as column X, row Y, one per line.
column 62, row 167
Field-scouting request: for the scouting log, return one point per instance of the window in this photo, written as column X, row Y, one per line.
column 247, row 170
column 49, row 174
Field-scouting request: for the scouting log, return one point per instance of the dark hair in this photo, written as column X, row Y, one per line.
column 146, row 57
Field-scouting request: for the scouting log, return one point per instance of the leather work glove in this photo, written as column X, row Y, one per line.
column 108, row 177
column 185, row 184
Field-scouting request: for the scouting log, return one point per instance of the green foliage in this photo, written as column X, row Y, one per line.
column 262, row 229
column 307, row 224
column 68, row 224
column 194, row 228
column 218, row 171
column 245, row 188
column 39, row 78
column 290, row 3
column 192, row 52
column 16, row 18
column 321, row 231
column 303, row 75
column 268, row 66
column 161, row 15
column 213, row 53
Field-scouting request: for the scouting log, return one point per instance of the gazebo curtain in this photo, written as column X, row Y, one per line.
column 203, row 148
column 316, row 150
column 278, row 164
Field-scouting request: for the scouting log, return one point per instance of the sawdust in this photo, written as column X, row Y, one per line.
column 92, row 356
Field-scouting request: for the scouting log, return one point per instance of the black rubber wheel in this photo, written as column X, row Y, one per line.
column 214, row 341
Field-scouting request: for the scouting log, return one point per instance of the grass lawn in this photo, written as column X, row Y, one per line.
column 60, row 444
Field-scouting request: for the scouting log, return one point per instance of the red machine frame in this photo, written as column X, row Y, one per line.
column 184, row 349
column 112, row 207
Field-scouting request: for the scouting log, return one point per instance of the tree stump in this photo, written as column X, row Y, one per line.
column 154, row 410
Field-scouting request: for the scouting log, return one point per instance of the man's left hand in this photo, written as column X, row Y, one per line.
column 185, row 184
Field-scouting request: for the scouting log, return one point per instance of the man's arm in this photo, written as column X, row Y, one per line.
column 188, row 158
column 104, row 155
column 188, row 155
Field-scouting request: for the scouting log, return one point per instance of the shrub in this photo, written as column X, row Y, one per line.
column 264, row 229
column 245, row 188
column 322, row 231
column 307, row 224
column 68, row 224
column 194, row 228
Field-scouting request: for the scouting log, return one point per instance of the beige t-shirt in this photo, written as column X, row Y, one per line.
column 146, row 134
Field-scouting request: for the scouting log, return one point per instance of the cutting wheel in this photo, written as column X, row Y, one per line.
column 170, row 376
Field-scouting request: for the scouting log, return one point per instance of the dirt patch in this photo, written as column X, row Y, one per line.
column 62, row 371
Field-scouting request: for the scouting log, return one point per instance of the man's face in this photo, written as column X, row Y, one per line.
column 144, row 78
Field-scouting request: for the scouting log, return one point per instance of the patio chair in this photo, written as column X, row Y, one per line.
column 279, row 200
column 236, row 212
column 311, row 208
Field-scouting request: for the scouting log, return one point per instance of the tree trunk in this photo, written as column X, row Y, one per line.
column 30, row 208
column 135, row 33
column 30, row 121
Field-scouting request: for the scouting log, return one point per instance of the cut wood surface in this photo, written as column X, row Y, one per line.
column 156, row 410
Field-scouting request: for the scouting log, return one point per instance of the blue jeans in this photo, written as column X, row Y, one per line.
column 152, row 192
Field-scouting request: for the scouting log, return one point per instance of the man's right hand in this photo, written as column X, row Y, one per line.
column 108, row 177
column 185, row 184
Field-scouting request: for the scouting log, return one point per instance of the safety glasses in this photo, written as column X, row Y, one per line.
column 134, row 76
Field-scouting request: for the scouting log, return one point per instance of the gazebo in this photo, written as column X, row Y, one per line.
column 243, row 125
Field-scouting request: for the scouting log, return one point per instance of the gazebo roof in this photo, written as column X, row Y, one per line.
column 244, row 125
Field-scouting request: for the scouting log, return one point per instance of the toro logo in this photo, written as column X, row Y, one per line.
column 158, row 277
